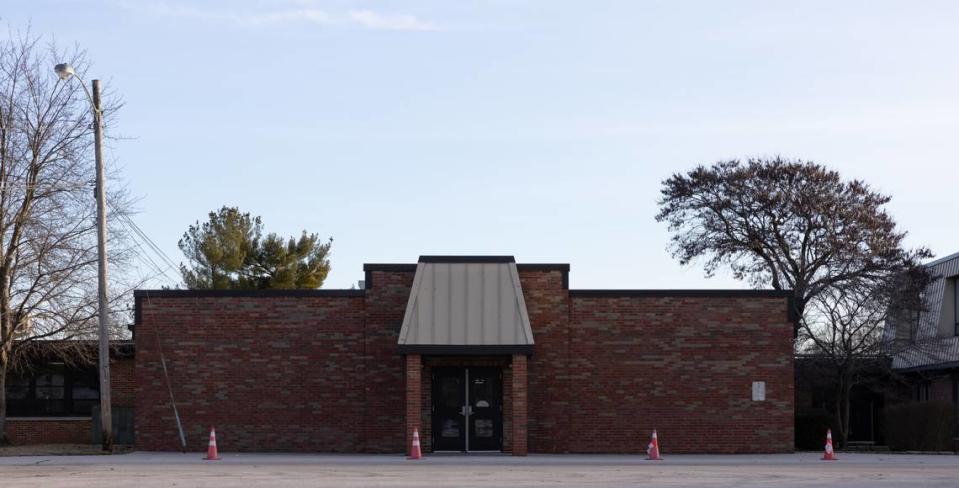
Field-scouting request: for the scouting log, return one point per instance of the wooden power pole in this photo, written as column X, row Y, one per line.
column 103, row 311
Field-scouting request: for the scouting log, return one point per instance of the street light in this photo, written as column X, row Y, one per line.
column 65, row 71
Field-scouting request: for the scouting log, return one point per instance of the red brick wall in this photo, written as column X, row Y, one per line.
column 520, row 414
column 684, row 366
column 547, row 301
column 23, row 431
column 123, row 381
column 383, row 368
column 414, row 401
column 277, row 373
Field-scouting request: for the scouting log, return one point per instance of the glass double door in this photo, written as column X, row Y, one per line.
column 467, row 409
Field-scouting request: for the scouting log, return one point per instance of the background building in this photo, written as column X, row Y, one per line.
column 53, row 400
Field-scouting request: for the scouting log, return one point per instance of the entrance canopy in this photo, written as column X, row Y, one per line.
column 466, row 305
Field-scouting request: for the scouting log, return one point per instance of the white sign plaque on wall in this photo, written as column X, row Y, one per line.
column 759, row 391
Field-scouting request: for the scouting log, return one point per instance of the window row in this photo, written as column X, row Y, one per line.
column 53, row 392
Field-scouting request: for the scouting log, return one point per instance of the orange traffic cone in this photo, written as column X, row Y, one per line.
column 652, row 451
column 415, row 452
column 829, row 455
column 211, row 450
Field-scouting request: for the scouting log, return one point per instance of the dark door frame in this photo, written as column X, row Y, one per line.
column 480, row 390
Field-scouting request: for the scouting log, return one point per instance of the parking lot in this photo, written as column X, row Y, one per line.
column 145, row 470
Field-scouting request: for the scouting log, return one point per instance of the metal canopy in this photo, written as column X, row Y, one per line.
column 466, row 305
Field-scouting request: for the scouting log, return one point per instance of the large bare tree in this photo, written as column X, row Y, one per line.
column 796, row 225
column 48, row 260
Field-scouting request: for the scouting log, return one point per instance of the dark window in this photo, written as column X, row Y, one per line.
column 85, row 393
column 922, row 391
column 53, row 392
column 50, row 394
column 18, row 388
column 450, row 392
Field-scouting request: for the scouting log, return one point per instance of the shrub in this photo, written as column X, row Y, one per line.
column 920, row 426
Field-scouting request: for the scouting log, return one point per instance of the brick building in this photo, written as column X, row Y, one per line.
column 477, row 353
column 52, row 401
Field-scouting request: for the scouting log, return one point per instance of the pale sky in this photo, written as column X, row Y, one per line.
column 540, row 129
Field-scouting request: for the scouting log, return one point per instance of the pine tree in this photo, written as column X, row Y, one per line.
column 227, row 252
column 301, row 263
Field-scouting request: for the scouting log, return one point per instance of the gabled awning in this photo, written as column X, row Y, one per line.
column 466, row 305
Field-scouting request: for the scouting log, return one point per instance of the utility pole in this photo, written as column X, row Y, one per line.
column 103, row 312
column 65, row 72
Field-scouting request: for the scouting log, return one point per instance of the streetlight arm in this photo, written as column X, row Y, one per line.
column 96, row 109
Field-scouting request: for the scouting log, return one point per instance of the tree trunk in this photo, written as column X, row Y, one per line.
column 4, row 440
column 843, row 393
column 798, row 308
column 845, row 413
column 6, row 344
column 837, row 437
column 799, row 304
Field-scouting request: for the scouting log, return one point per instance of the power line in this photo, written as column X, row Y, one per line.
column 166, row 259
column 151, row 246
column 140, row 236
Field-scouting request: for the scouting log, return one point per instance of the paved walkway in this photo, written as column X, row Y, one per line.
column 146, row 470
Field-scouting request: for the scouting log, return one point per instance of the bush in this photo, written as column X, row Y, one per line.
column 920, row 426
column 811, row 430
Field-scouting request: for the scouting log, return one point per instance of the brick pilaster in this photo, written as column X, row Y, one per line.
column 414, row 398
column 520, row 401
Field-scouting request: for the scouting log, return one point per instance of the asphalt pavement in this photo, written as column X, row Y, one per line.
column 146, row 470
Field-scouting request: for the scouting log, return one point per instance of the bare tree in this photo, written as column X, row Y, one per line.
column 48, row 285
column 844, row 330
column 787, row 224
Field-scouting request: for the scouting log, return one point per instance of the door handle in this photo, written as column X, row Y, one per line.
column 466, row 410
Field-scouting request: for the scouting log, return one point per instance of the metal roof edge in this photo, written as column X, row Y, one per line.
column 247, row 293
column 465, row 349
column 467, row 259
column 942, row 260
column 928, row 367
column 394, row 267
column 543, row 266
column 719, row 293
